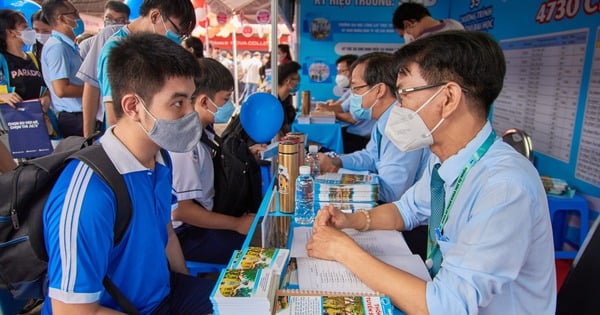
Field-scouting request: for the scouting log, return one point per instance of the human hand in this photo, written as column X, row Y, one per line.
column 331, row 216
column 255, row 149
column 245, row 222
column 328, row 164
column 45, row 101
column 11, row 99
column 329, row 243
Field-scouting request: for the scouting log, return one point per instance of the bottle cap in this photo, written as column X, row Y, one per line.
column 304, row 170
column 313, row 148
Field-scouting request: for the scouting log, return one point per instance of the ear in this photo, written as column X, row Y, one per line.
column 454, row 96
column 201, row 102
column 131, row 106
column 381, row 90
column 154, row 15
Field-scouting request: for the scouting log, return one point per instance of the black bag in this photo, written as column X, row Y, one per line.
column 237, row 178
column 23, row 256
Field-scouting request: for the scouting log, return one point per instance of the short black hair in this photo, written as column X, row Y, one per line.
column 409, row 11
column 474, row 60
column 118, row 7
column 378, row 69
column 141, row 63
column 8, row 21
column 181, row 9
column 213, row 77
column 39, row 16
column 52, row 8
column 348, row 59
column 196, row 44
column 285, row 70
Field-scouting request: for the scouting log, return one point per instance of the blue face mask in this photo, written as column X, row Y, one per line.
column 79, row 27
column 356, row 109
column 294, row 90
column 224, row 112
column 171, row 35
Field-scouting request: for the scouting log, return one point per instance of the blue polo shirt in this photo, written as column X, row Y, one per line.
column 79, row 218
column 105, row 91
column 61, row 60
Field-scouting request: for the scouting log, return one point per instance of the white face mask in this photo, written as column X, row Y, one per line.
column 342, row 80
column 42, row 38
column 407, row 130
column 28, row 36
column 408, row 38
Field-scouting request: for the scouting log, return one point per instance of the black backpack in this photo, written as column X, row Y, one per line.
column 237, row 177
column 23, row 256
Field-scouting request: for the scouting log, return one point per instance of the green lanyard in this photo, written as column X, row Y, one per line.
column 461, row 178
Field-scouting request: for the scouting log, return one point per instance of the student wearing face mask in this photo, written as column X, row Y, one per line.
column 153, row 86
column 412, row 20
column 20, row 75
column 171, row 18
column 358, row 133
column 60, row 61
column 490, row 248
column 116, row 15
column 42, row 33
column 206, row 234
column 373, row 97
column 288, row 82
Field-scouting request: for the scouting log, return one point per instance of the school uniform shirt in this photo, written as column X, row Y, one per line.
column 79, row 219
column 61, row 60
column 193, row 175
column 25, row 76
column 105, row 91
column 445, row 25
column 497, row 248
column 397, row 170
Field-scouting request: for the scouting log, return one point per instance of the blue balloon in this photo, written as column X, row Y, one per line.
column 261, row 116
column 134, row 6
column 28, row 8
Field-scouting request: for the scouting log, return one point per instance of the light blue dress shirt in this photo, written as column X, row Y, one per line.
column 361, row 128
column 61, row 60
column 397, row 170
column 498, row 255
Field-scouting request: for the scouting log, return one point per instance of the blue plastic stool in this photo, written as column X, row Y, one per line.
column 196, row 267
column 559, row 208
column 8, row 305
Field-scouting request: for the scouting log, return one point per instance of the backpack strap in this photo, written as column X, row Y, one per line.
column 97, row 159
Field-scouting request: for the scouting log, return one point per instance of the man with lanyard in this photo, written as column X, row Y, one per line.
column 60, row 61
column 490, row 248
column 171, row 18
column 372, row 84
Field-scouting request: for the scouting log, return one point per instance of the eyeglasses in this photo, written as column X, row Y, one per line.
column 418, row 88
column 109, row 18
column 355, row 88
column 74, row 12
column 174, row 25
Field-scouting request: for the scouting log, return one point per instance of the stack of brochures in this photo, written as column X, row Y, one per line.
column 322, row 117
column 346, row 188
column 249, row 283
column 291, row 302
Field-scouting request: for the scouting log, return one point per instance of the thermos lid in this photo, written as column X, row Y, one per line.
column 288, row 146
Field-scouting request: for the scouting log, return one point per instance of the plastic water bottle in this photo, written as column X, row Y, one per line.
column 312, row 160
column 304, row 212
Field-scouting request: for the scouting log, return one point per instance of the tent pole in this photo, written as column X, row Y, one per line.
column 274, row 57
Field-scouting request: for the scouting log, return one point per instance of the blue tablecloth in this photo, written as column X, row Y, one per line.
column 328, row 135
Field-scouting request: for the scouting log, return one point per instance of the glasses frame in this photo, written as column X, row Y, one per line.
column 174, row 26
column 354, row 88
column 74, row 12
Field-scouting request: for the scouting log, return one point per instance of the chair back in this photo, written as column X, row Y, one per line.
column 520, row 141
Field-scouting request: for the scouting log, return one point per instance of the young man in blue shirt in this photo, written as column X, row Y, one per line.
column 490, row 248
column 152, row 81
column 60, row 61
column 171, row 18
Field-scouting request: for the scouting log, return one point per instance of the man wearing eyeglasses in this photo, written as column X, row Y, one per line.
column 171, row 18
column 60, row 61
column 373, row 97
column 490, row 247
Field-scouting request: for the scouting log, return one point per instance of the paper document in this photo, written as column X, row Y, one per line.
column 376, row 243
